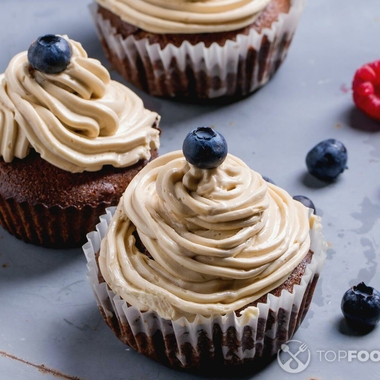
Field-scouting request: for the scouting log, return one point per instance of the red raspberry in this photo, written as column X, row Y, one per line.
column 366, row 89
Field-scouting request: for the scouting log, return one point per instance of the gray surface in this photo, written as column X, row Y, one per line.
column 48, row 315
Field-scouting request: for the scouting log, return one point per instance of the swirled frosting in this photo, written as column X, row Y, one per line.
column 187, row 16
column 77, row 120
column 219, row 239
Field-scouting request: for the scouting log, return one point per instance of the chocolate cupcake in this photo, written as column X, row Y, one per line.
column 204, row 263
column 71, row 141
column 199, row 49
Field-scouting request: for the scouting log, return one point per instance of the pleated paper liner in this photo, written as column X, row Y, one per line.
column 219, row 340
column 233, row 70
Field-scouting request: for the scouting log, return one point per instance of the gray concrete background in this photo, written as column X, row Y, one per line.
column 48, row 316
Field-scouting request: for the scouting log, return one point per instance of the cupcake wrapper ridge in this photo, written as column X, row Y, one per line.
column 221, row 340
column 236, row 69
column 51, row 227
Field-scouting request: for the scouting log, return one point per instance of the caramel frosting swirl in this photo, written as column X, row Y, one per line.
column 218, row 239
column 77, row 120
column 187, row 16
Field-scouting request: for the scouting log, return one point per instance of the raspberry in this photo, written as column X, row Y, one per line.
column 366, row 89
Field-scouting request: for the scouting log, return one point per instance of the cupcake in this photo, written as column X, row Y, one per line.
column 71, row 141
column 200, row 49
column 203, row 263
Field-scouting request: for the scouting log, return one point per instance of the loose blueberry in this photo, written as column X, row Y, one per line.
column 49, row 54
column 204, row 148
column 305, row 201
column 265, row 178
column 361, row 306
column 327, row 160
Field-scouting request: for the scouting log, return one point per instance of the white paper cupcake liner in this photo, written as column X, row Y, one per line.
column 236, row 69
column 254, row 335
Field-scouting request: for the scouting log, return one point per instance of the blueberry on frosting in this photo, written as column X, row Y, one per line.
column 49, row 54
column 204, row 148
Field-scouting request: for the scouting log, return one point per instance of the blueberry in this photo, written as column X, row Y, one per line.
column 49, row 54
column 327, row 160
column 361, row 306
column 204, row 148
column 265, row 178
column 305, row 201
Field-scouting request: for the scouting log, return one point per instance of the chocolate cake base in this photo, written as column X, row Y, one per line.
column 48, row 206
column 265, row 20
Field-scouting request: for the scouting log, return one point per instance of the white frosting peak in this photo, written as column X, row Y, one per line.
column 77, row 120
column 219, row 239
column 187, row 16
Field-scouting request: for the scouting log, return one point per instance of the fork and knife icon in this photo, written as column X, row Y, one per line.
column 289, row 364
